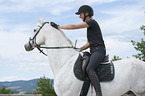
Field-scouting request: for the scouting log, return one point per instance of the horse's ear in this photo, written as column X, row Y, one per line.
column 40, row 20
column 45, row 20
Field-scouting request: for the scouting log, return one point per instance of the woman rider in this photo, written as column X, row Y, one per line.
column 94, row 41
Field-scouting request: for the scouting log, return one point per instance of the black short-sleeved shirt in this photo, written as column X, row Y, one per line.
column 94, row 35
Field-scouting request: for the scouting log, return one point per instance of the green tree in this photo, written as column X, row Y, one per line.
column 140, row 46
column 116, row 58
column 45, row 87
column 3, row 90
column 14, row 92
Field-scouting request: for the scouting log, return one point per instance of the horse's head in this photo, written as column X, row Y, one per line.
column 45, row 34
column 37, row 39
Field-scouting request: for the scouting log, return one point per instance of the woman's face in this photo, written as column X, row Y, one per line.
column 82, row 15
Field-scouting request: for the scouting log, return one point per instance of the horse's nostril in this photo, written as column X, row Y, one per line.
column 28, row 47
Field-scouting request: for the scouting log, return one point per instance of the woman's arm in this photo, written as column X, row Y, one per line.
column 74, row 26
column 85, row 46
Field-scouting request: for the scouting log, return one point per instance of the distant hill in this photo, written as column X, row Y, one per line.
column 21, row 85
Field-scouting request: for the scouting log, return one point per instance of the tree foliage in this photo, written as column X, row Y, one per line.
column 45, row 87
column 116, row 58
column 140, row 46
column 3, row 90
column 143, row 28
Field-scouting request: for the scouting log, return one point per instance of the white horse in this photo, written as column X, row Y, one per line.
column 129, row 73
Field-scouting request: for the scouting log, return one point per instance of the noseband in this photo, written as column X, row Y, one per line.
column 32, row 42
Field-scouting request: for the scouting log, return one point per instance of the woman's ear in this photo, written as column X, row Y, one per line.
column 86, row 13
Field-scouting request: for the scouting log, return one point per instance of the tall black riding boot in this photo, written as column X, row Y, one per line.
column 95, row 81
column 85, row 88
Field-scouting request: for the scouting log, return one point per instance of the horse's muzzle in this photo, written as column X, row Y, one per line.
column 28, row 47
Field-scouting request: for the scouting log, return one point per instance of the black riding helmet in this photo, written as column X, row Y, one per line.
column 84, row 9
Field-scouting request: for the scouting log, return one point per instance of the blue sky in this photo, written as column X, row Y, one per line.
column 120, row 21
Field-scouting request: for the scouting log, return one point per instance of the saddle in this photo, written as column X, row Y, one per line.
column 105, row 70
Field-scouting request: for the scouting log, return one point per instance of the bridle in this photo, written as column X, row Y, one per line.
column 32, row 42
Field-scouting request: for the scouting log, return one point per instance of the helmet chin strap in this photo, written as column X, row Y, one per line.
column 85, row 16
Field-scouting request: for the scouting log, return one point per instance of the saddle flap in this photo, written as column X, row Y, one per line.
column 105, row 70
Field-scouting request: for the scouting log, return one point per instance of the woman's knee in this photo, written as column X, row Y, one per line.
column 90, row 71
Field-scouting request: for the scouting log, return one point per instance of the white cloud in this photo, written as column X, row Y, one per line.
column 10, row 78
column 121, row 26
column 119, row 48
column 123, row 22
column 16, row 58
column 30, row 5
column 59, row 9
column 97, row 1
column 124, row 19
column 54, row 7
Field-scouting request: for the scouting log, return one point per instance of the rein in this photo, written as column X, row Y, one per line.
column 39, row 46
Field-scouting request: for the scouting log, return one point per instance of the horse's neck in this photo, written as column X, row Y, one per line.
column 59, row 58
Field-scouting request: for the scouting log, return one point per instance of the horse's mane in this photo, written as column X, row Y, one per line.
column 40, row 25
column 64, row 35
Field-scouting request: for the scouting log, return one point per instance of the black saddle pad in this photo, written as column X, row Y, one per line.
column 105, row 71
